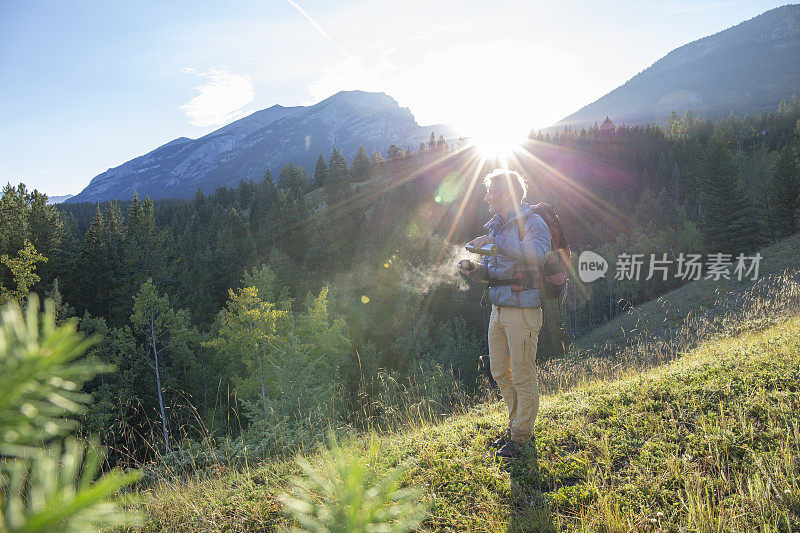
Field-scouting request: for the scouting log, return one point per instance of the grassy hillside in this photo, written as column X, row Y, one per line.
column 709, row 441
column 695, row 298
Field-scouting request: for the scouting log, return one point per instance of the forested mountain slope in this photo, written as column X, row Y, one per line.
column 744, row 69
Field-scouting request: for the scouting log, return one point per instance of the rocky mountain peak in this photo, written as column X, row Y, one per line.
column 265, row 140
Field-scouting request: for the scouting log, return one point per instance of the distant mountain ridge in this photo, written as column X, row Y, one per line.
column 58, row 199
column 747, row 69
column 266, row 140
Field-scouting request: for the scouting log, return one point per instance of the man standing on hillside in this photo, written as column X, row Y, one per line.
column 514, row 277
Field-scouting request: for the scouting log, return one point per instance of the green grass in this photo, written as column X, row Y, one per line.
column 707, row 442
column 694, row 298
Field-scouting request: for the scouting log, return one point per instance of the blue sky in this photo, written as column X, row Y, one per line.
column 89, row 85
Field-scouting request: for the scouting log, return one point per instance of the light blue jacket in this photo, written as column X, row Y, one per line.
column 515, row 253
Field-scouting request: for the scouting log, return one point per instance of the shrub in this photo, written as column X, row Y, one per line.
column 349, row 493
column 48, row 477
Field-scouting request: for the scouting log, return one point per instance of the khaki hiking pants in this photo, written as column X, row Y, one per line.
column 513, row 335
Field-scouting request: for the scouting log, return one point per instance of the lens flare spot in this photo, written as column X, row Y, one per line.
column 364, row 299
column 450, row 188
column 386, row 265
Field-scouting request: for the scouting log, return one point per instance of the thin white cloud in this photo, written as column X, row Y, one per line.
column 221, row 99
column 319, row 28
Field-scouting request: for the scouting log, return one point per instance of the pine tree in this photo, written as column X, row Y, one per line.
column 394, row 153
column 337, row 168
column 13, row 219
column 145, row 253
column 233, row 250
column 92, row 275
column 62, row 311
column 45, row 230
column 794, row 104
column 726, row 211
column 441, row 145
column 673, row 124
column 786, row 192
column 25, row 216
column 758, row 181
column 376, row 164
column 259, row 212
column 286, row 177
column 121, row 283
column 293, row 178
column 361, row 166
column 320, row 173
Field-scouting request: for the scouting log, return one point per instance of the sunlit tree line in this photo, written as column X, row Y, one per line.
column 692, row 186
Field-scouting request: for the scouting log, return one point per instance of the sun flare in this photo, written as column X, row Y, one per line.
column 496, row 146
column 496, row 139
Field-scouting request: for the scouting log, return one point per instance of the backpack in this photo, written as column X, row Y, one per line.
column 556, row 266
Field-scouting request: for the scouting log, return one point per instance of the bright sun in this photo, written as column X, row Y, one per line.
column 497, row 139
column 496, row 146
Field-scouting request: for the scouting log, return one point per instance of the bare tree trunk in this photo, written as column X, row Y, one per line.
column 158, row 385
column 261, row 369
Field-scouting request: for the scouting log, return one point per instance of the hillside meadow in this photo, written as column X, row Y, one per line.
column 706, row 439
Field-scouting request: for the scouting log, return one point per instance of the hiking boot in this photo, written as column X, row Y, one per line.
column 510, row 450
column 500, row 440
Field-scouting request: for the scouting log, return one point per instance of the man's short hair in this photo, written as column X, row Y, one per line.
column 510, row 181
